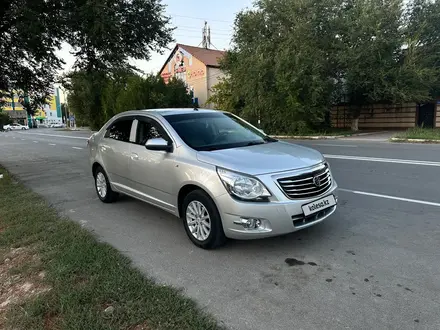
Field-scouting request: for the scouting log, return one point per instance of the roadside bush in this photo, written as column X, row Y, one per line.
column 95, row 98
column 4, row 119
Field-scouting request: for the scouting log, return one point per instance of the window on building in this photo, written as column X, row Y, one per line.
column 120, row 130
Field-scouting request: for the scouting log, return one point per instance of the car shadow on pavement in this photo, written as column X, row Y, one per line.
column 311, row 236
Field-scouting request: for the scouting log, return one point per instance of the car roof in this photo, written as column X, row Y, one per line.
column 177, row 111
column 163, row 112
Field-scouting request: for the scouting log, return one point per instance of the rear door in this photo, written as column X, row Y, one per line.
column 115, row 151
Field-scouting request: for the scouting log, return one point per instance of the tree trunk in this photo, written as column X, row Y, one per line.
column 355, row 124
column 355, row 114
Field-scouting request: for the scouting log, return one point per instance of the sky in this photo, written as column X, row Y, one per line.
column 188, row 17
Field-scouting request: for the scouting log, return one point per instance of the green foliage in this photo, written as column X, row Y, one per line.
column 95, row 98
column 103, row 35
column 423, row 37
column 84, row 98
column 293, row 59
column 223, row 97
column 378, row 58
column 420, row 133
column 4, row 119
column 30, row 31
column 279, row 71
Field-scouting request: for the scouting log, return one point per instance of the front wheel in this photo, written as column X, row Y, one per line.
column 202, row 221
column 103, row 188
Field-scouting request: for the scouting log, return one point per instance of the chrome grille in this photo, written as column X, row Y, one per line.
column 305, row 185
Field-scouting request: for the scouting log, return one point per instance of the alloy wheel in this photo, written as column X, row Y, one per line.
column 198, row 220
column 101, row 184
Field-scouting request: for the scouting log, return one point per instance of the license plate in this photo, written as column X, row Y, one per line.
column 319, row 205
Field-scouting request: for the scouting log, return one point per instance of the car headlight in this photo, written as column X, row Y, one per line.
column 243, row 186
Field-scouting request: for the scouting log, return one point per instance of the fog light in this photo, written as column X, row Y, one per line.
column 249, row 223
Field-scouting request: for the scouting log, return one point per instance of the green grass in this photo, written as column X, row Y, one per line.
column 420, row 133
column 85, row 276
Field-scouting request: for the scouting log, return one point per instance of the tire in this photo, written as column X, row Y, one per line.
column 23, row 128
column 102, row 186
column 196, row 206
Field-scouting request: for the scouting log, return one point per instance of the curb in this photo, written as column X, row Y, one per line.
column 414, row 140
column 321, row 137
column 309, row 137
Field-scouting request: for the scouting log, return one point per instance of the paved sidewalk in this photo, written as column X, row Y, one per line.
column 383, row 136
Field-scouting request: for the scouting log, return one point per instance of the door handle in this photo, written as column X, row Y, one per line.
column 134, row 156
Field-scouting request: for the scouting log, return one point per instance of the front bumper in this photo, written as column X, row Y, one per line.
column 278, row 218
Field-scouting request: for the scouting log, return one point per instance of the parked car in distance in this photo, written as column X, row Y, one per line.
column 14, row 127
column 222, row 176
column 57, row 125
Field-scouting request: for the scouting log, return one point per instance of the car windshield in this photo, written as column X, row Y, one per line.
column 208, row 131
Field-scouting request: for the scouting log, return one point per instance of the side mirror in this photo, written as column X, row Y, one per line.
column 159, row 144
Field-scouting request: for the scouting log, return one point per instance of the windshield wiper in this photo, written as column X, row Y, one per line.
column 254, row 143
column 269, row 139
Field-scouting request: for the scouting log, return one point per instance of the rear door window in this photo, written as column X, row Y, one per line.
column 120, row 130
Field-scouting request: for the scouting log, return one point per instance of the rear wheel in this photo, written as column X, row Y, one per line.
column 103, row 188
column 202, row 221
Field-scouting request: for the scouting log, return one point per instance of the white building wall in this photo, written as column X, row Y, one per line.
column 51, row 116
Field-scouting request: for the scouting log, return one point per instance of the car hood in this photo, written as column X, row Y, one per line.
column 262, row 159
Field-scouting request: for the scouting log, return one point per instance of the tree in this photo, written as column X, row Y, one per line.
column 176, row 94
column 224, row 98
column 104, row 34
column 280, row 67
column 423, row 39
column 121, row 91
column 376, row 63
column 292, row 60
column 31, row 32
column 85, row 97
column 4, row 119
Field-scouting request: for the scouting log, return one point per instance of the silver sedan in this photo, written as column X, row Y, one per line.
column 222, row 176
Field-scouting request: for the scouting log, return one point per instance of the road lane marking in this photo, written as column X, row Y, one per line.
column 77, row 148
column 35, row 141
column 52, row 144
column 62, row 136
column 23, row 139
column 390, row 197
column 336, row 145
column 384, row 160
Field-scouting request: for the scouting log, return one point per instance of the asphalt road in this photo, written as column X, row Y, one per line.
column 377, row 258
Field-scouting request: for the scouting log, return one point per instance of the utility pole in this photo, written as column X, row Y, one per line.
column 206, row 36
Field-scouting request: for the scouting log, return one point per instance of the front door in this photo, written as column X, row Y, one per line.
column 115, row 151
column 152, row 173
column 426, row 115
